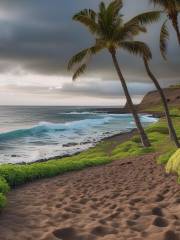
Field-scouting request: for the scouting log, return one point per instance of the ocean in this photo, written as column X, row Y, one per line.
column 28, row 134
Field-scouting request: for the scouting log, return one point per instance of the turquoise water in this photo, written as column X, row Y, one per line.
column 29, row 134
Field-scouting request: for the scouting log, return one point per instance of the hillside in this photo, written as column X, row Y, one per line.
column 152, row 100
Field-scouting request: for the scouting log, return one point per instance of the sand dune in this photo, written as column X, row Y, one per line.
column 132, row 199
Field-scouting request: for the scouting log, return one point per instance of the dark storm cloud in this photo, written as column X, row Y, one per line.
column 108, row 89
column 40, row 36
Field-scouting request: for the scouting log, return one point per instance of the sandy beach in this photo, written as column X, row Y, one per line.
column 130, row 199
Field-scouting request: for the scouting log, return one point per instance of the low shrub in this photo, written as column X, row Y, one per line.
column 158, row 128
column 4, row 187
column 129, row 149
column 164, row 158
column 136, row 139
column 173, row 165
column 2, row 201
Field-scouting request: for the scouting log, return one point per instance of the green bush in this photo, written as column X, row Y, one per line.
column 4, row 187
column 164, row 158
column 19, row 174
column 136, row 139
column 129, row 149
column 159, row 128
column 175, row 112
column 173, row 165
column 2, row 201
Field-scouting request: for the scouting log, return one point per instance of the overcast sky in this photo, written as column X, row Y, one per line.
column 37, row 37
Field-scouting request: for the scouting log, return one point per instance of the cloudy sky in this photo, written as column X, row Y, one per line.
column 38, row 37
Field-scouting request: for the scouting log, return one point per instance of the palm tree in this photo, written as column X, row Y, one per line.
column 171, row 8
column 172, row 131
column 112, row 33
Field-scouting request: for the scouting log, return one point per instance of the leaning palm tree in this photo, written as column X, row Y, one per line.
column 112, row 33
column 171, row 128
column 171, row 8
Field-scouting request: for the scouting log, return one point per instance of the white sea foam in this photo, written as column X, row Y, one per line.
column 48, row 139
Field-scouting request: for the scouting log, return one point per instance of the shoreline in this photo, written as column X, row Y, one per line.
column 119, row 137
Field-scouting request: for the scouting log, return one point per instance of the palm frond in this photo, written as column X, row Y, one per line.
column 82, row 58
column 147, row 17
column 137, row 24
column 178, row 5
column 164, row 37
column 78, row 58
column 167, row 5
column 114, row 7
column 79, row 71
column 137, row 48
column 88, row 18
column 130, row 29
column 157, row 2
column 85, row 54
column 102, row 7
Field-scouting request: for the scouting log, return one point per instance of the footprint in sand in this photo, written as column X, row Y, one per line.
column 157, row 211
column 102, row 231
column 160, row 222
column 65, row 233
column 170, row 235
column 70, row 233
column 159, row 198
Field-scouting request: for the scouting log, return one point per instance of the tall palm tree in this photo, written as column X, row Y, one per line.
column 112, row 33
column 171, row 128
column 172, row 9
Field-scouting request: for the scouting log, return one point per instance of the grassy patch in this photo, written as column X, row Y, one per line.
column 174, row 110
column 176, row 86
column 2, row 201
column 4, row 188
column 129, row 149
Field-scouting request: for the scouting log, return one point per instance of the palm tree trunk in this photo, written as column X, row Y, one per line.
column 164, row 101
column 176, row 27
column 144, row 138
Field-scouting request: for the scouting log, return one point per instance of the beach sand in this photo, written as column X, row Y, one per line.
column 132, row 199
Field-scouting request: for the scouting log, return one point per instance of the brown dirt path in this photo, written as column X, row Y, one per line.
column 131, row 199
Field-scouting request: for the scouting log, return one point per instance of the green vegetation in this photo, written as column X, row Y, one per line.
column 4, row 188
column 173, row 165
column 103, row 153
column 2, row 201
column 158, row 135
column 174, row 110
column 176, row 86
column 129, row 149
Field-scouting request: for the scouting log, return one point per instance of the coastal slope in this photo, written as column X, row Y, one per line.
column 152, row 100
